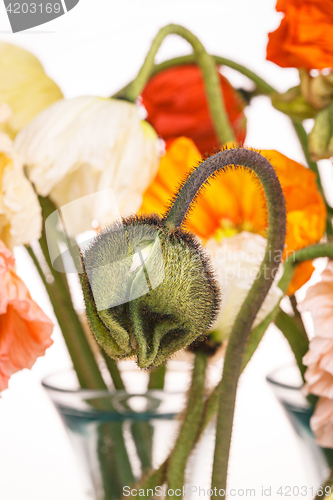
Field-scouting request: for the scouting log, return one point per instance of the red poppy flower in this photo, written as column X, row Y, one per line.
column 176, row 103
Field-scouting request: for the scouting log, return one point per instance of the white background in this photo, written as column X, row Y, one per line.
column 96, row 49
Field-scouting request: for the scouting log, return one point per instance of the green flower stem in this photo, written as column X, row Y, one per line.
column 149, row 483
column 114, row 372
column 156, row 478
column 299, row 345
column 157, row 378
column 242, row 326
column 111, row 446
column 113, row 459
column 143, row 434
column 254, row 340
column 262, row 86
column 257, row 335
column 84, row 363
column 313, row 252
column 83, row 360
column 210, row 75
column 298, row 317
column 189, row 429
column 256, row 163
column 303, row 139
column 222, row 161
column 258, row 332
column 172, row 469
column 80, row 351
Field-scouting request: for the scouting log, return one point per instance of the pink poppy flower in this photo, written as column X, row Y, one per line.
column 319, row 358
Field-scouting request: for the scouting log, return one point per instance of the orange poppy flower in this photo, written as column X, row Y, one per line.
column 25, row 330
column 304, row 38
column 235, row 201
column 176, row 104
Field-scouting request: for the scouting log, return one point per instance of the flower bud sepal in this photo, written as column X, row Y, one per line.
column 149, row 289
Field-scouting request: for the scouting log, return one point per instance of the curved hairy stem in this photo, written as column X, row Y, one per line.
column 258, row 332
column 222, row 161
column 210, row 75
column 262, row 86
column 256, row 163
column 158, row 477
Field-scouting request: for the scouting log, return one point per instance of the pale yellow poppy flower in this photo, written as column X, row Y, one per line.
column 24, row 86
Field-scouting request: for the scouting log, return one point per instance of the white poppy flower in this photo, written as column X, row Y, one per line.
column 236, row 261
column 84, row 145
column 20, row 213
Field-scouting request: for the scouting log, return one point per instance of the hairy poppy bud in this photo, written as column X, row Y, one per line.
column 318, row 90
column 149, row 290
column 293, row 104
column 321, row 137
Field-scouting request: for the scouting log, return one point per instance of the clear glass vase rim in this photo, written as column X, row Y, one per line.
column 271, row 378
column 98, row 392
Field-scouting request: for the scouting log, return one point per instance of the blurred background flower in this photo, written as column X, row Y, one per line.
column 25, row 330
column 20, row 213
column 235, row 202
column 319, row 358
column 176, row 104
column 236, row 261
column 24, row 86
column 304, row 38
column 81, row 146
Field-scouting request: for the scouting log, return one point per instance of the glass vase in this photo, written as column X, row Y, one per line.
column 118, row 436
column 286, row 384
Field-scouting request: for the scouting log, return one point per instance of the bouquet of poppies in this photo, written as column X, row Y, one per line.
column 190, row 240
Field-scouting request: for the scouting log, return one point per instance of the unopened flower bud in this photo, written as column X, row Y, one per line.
column 293, row 104
column 317, row 90
column 321, row 137
column 149, row 290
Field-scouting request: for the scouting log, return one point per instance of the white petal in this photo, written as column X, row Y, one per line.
column 236, row 261
column 19, row 207
column 84, row 145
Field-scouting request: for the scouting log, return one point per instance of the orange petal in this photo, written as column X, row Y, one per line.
column 304, row 38
column 234, row 201
column 302, row 274
column 25, row 330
